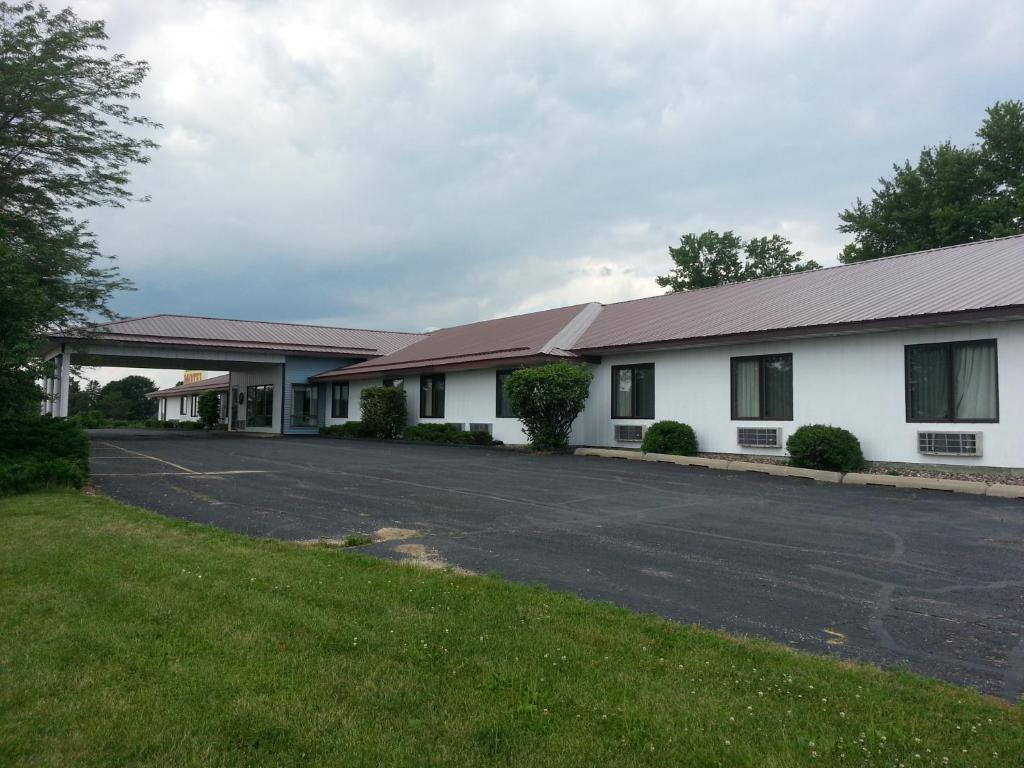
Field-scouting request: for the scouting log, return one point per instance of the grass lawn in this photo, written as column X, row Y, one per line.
column 129, row 639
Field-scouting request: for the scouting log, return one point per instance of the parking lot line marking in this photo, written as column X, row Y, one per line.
column 182, row 474
column 154, row 458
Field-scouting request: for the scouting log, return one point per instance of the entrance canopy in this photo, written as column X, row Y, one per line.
column 186, row 342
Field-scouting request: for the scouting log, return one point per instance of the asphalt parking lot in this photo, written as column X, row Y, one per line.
column 929, row 581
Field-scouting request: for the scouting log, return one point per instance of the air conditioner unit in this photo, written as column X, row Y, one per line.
column 949, row 443
column 759, row 437
column 629, row 433
column 477, row 427
column 456, row 424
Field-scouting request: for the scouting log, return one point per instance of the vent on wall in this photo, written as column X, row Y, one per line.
column 629, row 433
column 477, row 427
column 949, row 443
column 456, row 424
column 759, row 437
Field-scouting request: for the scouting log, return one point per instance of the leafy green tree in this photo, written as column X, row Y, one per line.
column 547, row 399
column 67, row 141
column 126, row 399
column 82, row 400
column 209, row 409
column 712, row 258
column 952, row 195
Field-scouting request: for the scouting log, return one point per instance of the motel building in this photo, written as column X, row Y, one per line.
column 921, row 356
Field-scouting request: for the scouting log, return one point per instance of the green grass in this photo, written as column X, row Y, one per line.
column 126, row 638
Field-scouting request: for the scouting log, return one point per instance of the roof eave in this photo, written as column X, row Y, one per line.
column 1014, row 312
column 505, row 362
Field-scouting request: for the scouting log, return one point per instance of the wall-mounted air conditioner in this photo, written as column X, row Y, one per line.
column 949, row 443
column 480, row 427
column 759, row 437
column 629, row 433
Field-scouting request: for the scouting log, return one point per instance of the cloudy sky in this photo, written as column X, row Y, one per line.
column 417, row 164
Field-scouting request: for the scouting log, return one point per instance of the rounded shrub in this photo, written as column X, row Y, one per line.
column 670, row 437
column 818, row 446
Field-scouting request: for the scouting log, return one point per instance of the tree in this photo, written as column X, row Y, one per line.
column 209, row 408
column 82, row 400
column 126, row 399
column 63, row 108
column 547, row 399
column 712, row 258
column 952, row 195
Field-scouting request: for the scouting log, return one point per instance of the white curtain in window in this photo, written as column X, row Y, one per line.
column 748, row 389
column 974, row 382
column 624, row 393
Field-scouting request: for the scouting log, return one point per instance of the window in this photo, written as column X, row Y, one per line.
column 633, row 391
column 396, row 381
column 184, row 402
column 432, row 396
column 339, row 400
column 305, row 401
column 762, row 388
column 502, row 406
column 954, row 381
column 259, row 406
column 193, row 405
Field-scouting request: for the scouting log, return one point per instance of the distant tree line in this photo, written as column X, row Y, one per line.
column 124, row 399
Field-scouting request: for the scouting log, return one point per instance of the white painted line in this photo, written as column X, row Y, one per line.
column 183, row 474
column 118, row 458
column 154, row 458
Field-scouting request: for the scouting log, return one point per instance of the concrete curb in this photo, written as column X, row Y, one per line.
column 821, row 475
column 919, row 483
column 977, row 488
column 686, row 461
column 1005, row 491
column 609, row 453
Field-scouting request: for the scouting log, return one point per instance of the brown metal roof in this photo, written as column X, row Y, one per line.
column 217, row 382
column 987, row 275
column 507, row 339
column 251, row 334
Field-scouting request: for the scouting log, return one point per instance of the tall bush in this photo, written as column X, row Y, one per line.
column 383, row 410
column 209, row 409
column 547, row 400
column 817, row 446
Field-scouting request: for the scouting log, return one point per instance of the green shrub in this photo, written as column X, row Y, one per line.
column 209, row 409
column 348, row 429
column 445, row 433
column 548, row 399
column 670, row 437
column 90, row 420
column 39, row 451
column 432, row 433
column 34, row 473
column 475, row 438
column 817, row 446
column 383, row 410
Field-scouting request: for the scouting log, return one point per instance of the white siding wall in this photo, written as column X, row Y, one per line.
column 173, row 405
column 270, row 374
column 855, row 382
column 469, row 398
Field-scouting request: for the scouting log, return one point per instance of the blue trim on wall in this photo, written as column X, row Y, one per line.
column 297, row 370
